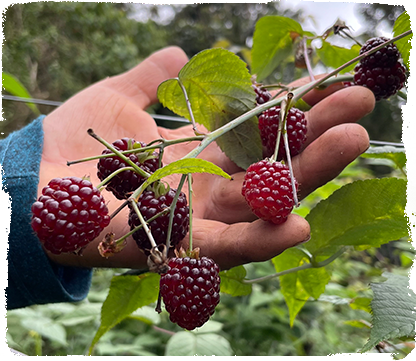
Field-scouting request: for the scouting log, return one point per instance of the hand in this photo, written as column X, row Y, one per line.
column 224, row 227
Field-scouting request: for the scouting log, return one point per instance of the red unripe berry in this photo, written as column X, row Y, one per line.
column 267, row 188
column 296, row 131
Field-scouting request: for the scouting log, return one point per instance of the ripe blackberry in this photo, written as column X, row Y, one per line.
column 124, row 183
column 296, row 131
column 190, row 290
column 384, row 57
column 69, row 214
column 267, row 188
column 149, row 205
column 383, row 82
column 262, row 95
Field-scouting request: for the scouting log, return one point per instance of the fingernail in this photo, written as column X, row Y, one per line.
column 304, row 241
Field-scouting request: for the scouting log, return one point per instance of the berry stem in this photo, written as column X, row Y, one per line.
column 300, row 268
column 143, row 222
column 188, row 105
column 289, row 164
column 172, row 213
column 164, row 143
column 119, row 154
column 106, row 180
column 307, row 60
column 121, row 239
column 190, row 192
column 402, row 94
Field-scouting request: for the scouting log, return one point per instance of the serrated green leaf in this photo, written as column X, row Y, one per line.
column 185, row 166
column 273, row 43
column 396, row 155
column 13, row 86
column 292, row 289
column 126, row 294
column 393, row 308
column 401, row 25
column 219, row 89
column 334, row 56
column 193, row 344
column 231, row 282
column 363, row 213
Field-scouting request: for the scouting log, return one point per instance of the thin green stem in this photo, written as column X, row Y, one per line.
column 143, row 222
column 307, row 60
column 190, row 210
column 402, row 94
column 164, row 143
column 118, row 171
column 188, row 105
column 172, row 212
column 299, row 268
column 121, row 239
column 119, row 154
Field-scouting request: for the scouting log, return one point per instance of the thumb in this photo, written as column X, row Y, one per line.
column 140, row 83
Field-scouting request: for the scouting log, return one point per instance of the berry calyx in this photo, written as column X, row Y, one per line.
column 69, row 214
column 267, row 188
column 296, row 126
column 384, row 57
column 262, row 95
column 151, row 203
column 126, row 182
column 383, row 82
column 190, row 290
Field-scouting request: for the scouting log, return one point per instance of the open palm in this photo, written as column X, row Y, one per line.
column 224, row 227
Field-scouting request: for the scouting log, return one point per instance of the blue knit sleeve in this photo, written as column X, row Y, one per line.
column 32, row 277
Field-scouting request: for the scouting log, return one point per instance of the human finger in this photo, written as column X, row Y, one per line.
column 241, row 243
column 347, row 105
column 141, row 82
column 328, row 155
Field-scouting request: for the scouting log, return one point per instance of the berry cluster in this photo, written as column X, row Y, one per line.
column 296, row 131
column 381, row 71
column 190, row 290
column 69, row 214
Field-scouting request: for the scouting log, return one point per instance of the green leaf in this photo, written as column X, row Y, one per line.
column 13, row 86
column 393, row 308
column 334, row 56
column 361, row 303
column 185, row 166
column 219, row 89
column 404, row 45
column 273, row 41
column 193, row 344
column 396, row 155
column 126, row 294
column 292, row 289
column 357, row 323
column 232, row 282
column 365, row 213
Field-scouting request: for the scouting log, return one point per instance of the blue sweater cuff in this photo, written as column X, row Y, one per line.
column 33, row 278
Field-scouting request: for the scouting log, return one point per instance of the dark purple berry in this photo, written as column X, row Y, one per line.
column 190, row 290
